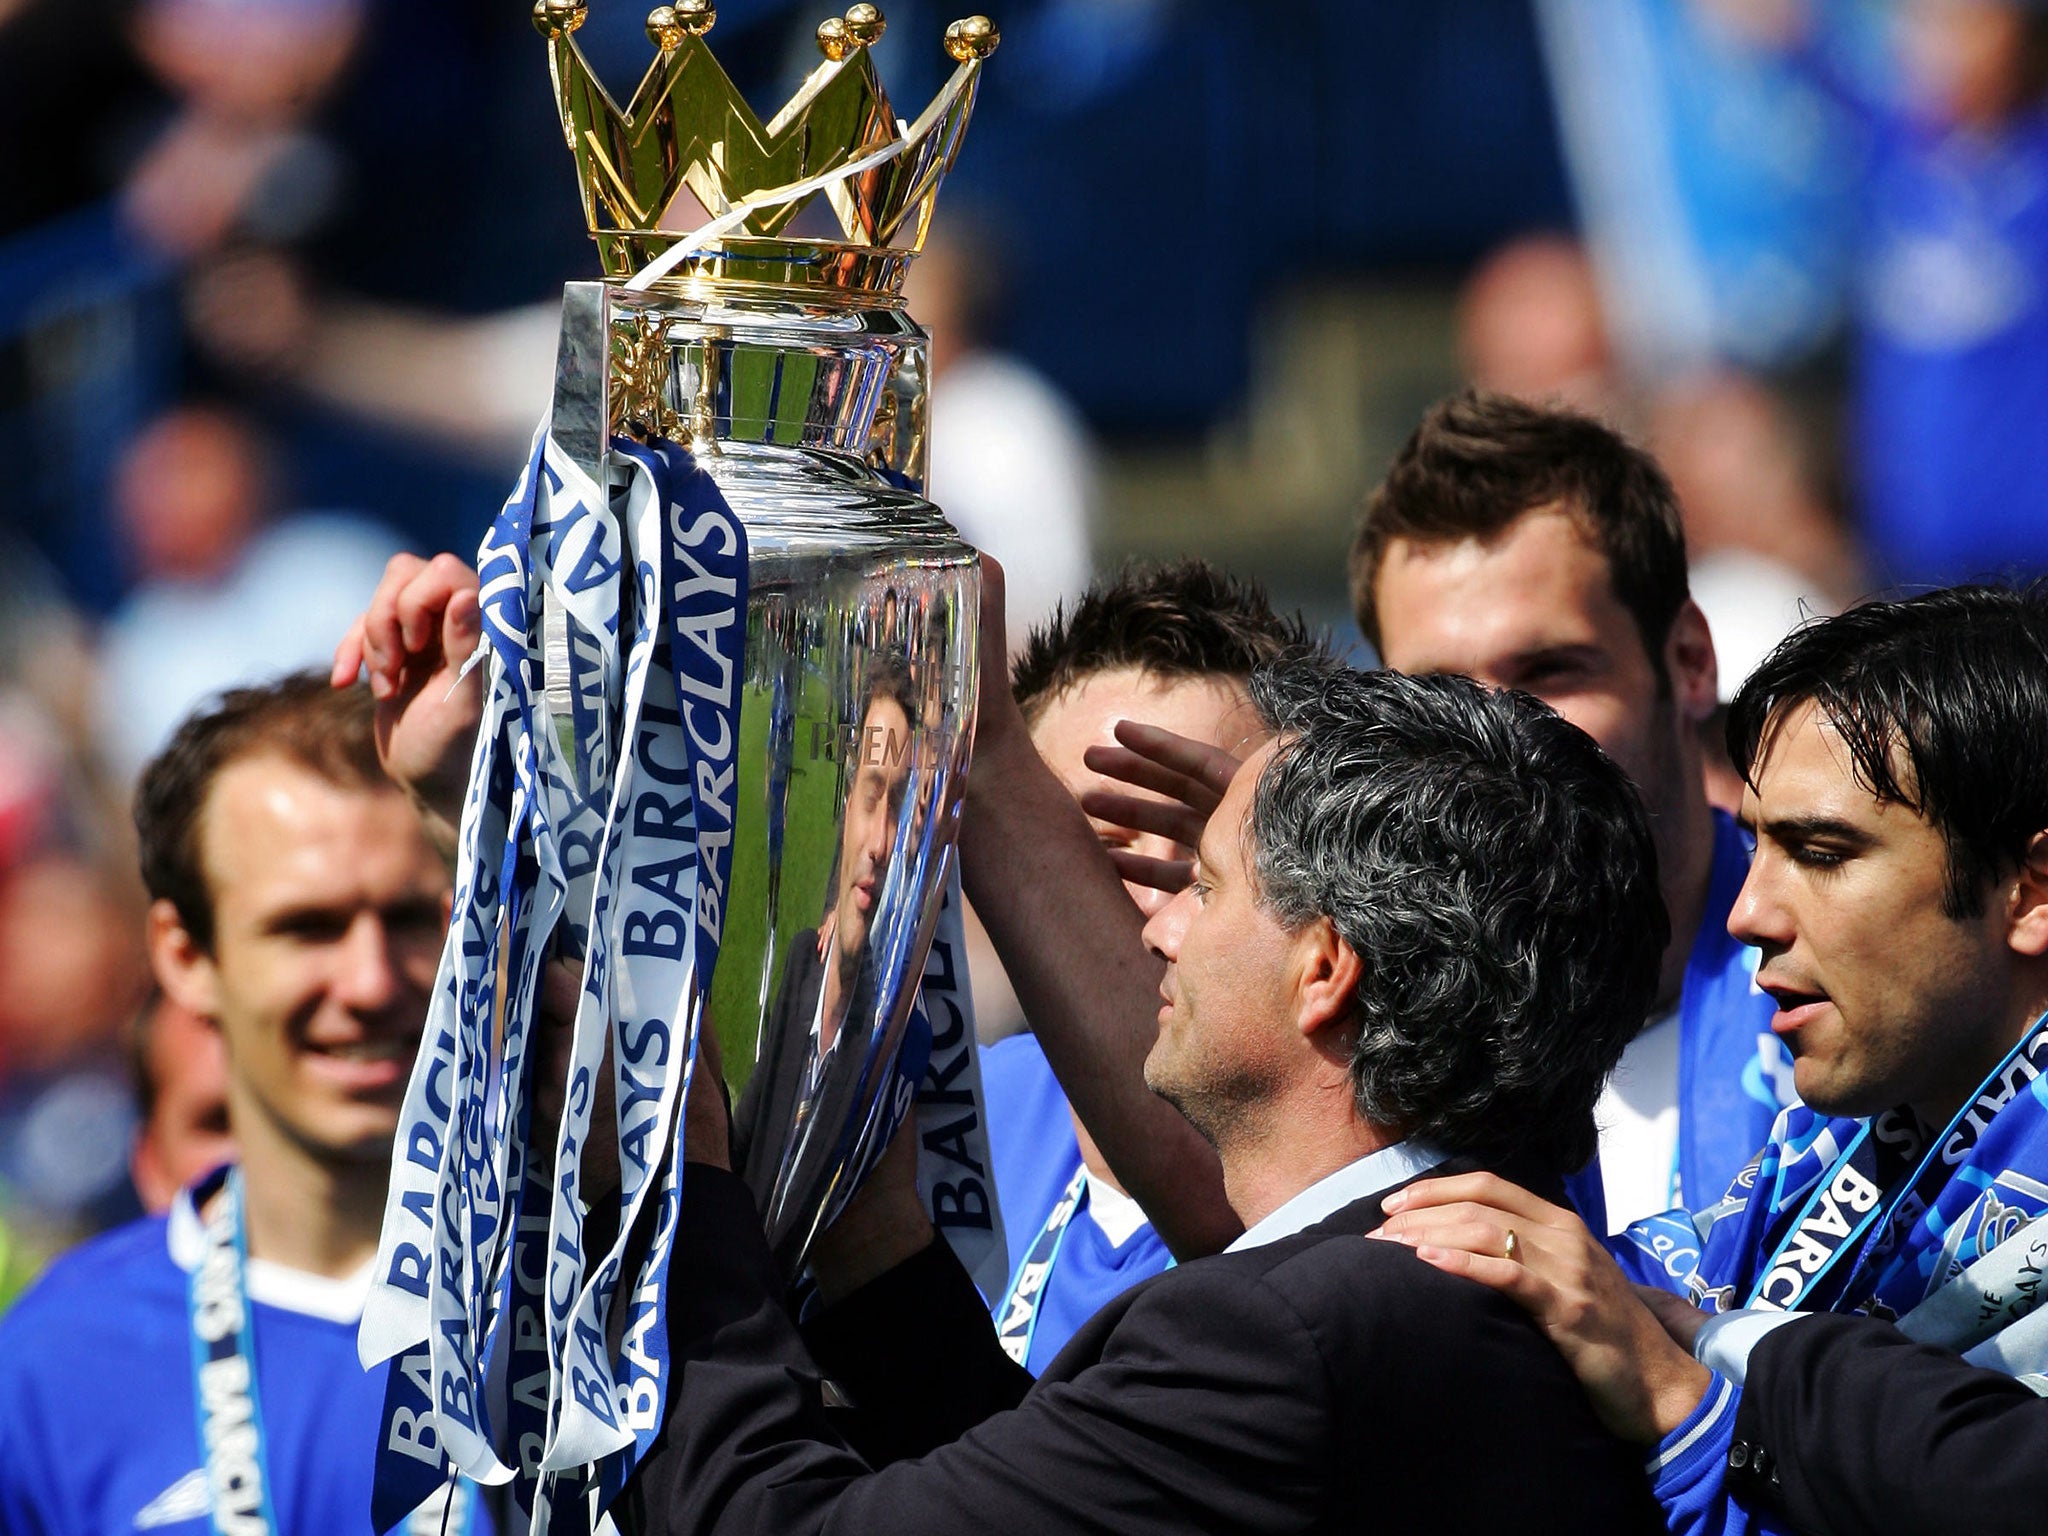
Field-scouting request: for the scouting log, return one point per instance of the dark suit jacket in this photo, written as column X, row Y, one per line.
column 768, row 1107
column 1848, row 1428
column 1320, row 1383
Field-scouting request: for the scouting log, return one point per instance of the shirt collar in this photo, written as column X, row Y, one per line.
column 271, row 1285
column 1370, row 1175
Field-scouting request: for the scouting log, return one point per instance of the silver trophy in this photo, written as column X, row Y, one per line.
column 788, row 367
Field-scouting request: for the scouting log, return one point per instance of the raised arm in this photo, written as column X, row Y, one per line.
column 1072, row 943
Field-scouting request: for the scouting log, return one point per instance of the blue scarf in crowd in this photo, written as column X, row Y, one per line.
column 1876, row 1216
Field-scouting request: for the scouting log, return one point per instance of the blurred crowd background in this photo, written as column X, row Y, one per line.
column 276, row 299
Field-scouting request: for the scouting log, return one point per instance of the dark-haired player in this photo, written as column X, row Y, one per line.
column 1170, row 646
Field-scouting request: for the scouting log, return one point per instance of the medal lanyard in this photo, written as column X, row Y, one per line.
column 224, row 1376
column 1026, row 1296
column 224, row 1385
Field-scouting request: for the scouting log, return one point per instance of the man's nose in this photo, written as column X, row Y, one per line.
column 365, row 969
column 1761, row 917
column 1164, row 928
column 881, row 832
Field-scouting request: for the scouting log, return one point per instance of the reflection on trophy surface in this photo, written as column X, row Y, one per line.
column 795, row 1110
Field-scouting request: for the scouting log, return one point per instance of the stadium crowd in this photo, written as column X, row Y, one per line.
column 1648, row 950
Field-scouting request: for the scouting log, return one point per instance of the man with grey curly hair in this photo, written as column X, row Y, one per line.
column 1460, row 885
column 1423, row 923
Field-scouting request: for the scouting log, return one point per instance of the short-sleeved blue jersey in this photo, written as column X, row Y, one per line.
column 98, row 1426
column 1032, row 1144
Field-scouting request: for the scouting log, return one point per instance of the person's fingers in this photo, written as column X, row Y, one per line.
column 461, row 627
column 1675, row 1315
column 383, row 643
column 1128, row 767
column 1514, row 1280
column 348, row 656
column 421, row 602
column 1471, row 1228
column 1209, row 766
column 424, row 603
column 1169, row 819
column 1480, row 1189
column 1169, row 875
column 1483, row 1230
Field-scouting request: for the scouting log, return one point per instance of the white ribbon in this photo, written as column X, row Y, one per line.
column 740, row 212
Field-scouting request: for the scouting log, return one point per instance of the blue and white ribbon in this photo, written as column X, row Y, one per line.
column 1017, row 1317
column 954, row 1171
column 600, row 828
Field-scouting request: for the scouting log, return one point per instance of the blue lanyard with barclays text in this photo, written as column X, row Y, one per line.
column 224, row 1376
column 239, row 1491
column 1017, row 1320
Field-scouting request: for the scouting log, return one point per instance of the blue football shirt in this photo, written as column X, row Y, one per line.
column 1952, row 403
column 1035, row 1153
column 1734, row 1074
column 98, row 1427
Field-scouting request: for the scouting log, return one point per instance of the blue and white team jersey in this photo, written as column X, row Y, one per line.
column 1734, row 1074
column 99, row 1432
column 1065, row 1267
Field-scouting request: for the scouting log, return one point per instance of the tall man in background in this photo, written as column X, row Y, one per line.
column 1534, row 548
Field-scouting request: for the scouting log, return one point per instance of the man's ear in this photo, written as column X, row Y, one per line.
column 184, row 970
column 1689, row 659
column 1327, row 978
column 2027, row 905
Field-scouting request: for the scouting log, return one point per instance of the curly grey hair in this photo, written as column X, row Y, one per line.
column 1492, row 869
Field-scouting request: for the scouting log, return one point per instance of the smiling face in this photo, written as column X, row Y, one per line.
column 1213, row 710
column 1227, row 1035
column 1883, row 998
column 329, row 908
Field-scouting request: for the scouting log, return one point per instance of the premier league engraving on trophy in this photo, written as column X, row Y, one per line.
column 731, row 653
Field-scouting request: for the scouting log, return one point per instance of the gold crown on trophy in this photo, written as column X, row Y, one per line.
column 688, row 129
